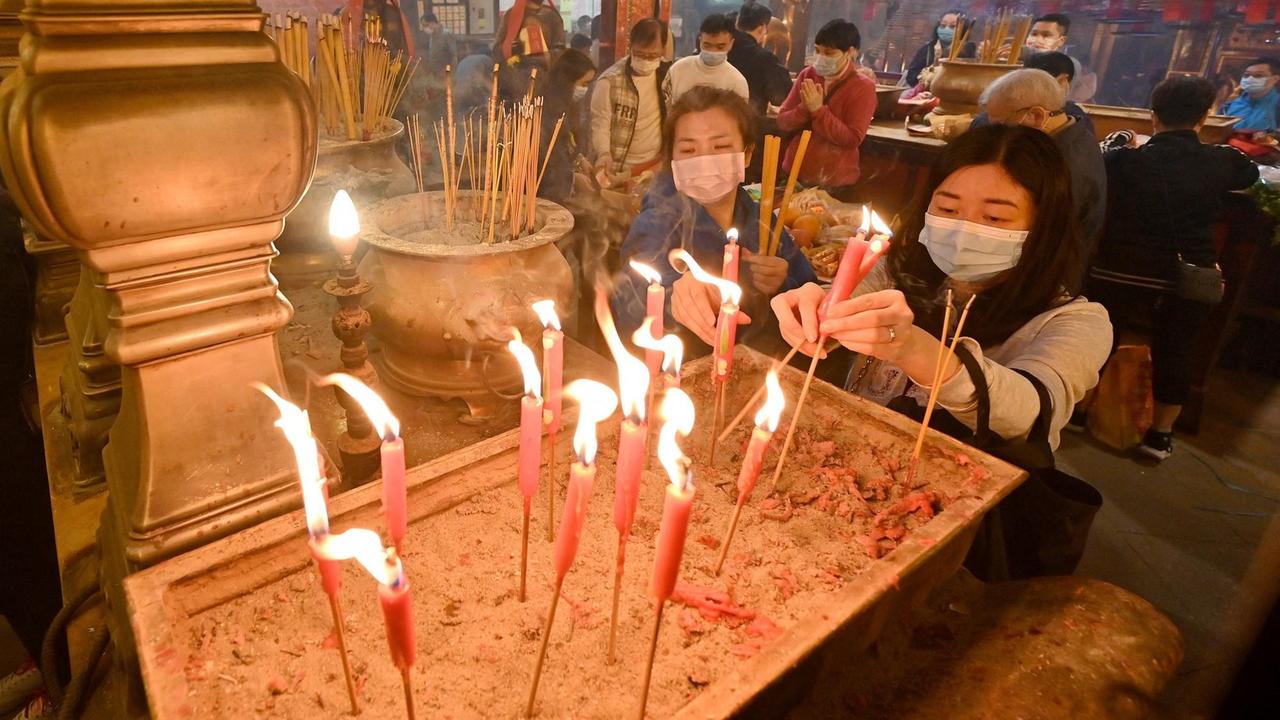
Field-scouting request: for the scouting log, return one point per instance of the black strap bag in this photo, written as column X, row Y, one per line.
column 1041, row 527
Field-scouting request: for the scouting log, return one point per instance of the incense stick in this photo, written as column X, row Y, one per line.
column 339, row 626
column 612, row 656
column 944, row 359
column 542, row 650
column 795, row 416
column 775, row 241
column 755, row 398
column 648, row 666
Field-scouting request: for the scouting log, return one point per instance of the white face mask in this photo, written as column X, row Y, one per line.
column 827, row 65
column 579, row 92
column 708, row 178
column 712, row 59
column 968, row 251
column 1252, row 84
column 644, row 67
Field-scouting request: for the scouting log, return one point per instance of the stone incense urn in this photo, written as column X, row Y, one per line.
column 959, row 84
column 444, row 302
column 369, row 170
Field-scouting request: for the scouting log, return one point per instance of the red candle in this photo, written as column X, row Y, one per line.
column 552, row 363
column 671, row 351
column 631, row 458
column 655, row 316
column 752, row 461
column 393, row 490
column 397, row 614
column 729, row 269
column 677, row 415
column 581, row 478
column 530, row 448
column 726, row 336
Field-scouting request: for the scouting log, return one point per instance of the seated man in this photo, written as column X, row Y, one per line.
column 1035, row 99
column 1063, row 70
column 710, row 66
column 1256, row 103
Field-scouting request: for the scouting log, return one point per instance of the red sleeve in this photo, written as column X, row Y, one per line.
column 845, row 122
column 792, row 114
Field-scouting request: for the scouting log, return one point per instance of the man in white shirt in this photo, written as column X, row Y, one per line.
column 626, row 107
column 710, row 67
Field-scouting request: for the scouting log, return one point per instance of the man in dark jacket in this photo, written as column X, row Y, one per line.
column 1164, row 199
column 767, row 78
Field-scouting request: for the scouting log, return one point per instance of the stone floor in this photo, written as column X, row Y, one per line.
column 1183, row 533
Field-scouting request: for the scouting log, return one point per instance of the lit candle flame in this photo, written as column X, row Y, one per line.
column 677, row 420
column 730, row 293
column 546, row 310
column 633, row 374
column 670, row 346
column 865, row 226
column 297, row 430
column 374, row 406
column 344, row 223
column 646, row 272
column 880, row 226
column 732, row 236
column 365, row 547
column 528, row 365
column 596, row 402
column 769, row 414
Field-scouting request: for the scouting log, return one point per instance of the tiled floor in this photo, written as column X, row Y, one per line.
column 1182, row 534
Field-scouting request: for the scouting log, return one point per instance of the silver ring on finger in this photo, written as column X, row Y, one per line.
column 893, row 335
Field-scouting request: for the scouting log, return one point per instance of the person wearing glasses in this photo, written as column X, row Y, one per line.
column 626, row 107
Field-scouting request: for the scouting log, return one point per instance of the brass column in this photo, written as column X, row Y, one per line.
column 165, row 142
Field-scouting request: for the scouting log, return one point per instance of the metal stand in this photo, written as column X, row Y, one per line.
column 359, row 445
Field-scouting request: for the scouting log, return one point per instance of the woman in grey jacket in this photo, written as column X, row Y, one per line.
column 998, row 226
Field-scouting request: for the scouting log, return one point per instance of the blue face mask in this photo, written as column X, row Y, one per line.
column 1251, row 84
column 712, row 59
column 946, row 34
column 968, row 251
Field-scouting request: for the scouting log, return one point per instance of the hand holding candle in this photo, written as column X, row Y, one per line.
column 530, row 458
column 766, row 425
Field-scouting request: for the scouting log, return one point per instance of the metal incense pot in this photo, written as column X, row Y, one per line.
column 443, row 301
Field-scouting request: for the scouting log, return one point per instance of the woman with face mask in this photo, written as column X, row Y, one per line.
column 998, row 227
column 565, row 95
column 836, row 102
column 938, row 48
column 706, row 141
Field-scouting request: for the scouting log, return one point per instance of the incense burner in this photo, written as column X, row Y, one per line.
column 369, row 170
column 959, row 84
column 444, row 301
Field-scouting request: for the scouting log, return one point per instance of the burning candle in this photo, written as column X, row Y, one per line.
column 596, row 403
column 671, row 349
column 881, row 234
column 677, row 416
column 729, row 268
column 766, row 425
column 297, row 430
column 655, row 315
column 530, row 458
column 552, row 362
column 394, row 491
column 727, row 322
column 344, row 225
column 552, row 408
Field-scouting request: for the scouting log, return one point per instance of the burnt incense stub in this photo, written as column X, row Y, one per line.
column 166, row 143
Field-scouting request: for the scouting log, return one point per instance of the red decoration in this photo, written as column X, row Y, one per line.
column 1257, row 12
column 869, row 10
column 1175, row 11
column 1206, row 11
column 1115, row 9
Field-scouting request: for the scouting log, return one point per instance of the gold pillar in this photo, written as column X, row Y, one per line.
column 165, row 142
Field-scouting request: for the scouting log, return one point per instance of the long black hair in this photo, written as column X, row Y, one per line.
column 1049, row 270
column 564, row 75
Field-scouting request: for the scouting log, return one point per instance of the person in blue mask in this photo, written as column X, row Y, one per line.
column 1258, row 101
column 938, row 47
column 995, row 224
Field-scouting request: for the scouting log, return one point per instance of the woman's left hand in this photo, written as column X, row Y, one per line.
column 879, row 324
column 768, row 272
column 812, row 95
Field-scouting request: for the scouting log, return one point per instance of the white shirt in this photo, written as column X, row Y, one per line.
column 690, row 72
column 646, row 143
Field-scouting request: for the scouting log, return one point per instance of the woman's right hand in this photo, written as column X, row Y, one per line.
column 797, row 312
column 696, row 305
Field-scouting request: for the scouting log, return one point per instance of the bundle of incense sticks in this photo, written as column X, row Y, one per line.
column 964, row 26
column 771, row 230
column 507, row 152
column 356, row 88
column 1002, row 38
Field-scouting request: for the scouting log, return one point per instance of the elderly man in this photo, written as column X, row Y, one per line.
column 1035, row 99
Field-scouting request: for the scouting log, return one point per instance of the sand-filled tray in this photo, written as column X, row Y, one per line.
column 241, row 629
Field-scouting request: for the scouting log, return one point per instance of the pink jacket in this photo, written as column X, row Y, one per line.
column 838, row 128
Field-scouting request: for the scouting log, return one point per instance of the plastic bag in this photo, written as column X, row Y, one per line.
column 1121, row 410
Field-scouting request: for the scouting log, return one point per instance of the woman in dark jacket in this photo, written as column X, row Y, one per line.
column 566, row 96
column 938, row 47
